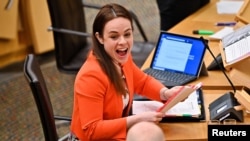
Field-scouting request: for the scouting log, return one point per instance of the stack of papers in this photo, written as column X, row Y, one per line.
column 188, row 107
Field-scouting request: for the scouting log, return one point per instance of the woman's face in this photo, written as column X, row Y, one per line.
column 117, row 39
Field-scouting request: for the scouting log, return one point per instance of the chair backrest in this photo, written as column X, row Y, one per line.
column 70, row 49
column 34, row 77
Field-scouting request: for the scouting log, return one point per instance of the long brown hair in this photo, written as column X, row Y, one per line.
column 108, row 12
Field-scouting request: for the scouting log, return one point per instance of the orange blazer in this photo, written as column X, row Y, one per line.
column 98, row 109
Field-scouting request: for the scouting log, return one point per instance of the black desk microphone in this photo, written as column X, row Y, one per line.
column 221, row 68
column 223, row 107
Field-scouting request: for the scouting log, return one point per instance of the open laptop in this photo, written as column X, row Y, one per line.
column 177, row 59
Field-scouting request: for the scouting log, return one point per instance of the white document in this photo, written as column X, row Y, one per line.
column 221, row 33
column 229, row 6
column 238, row 50
column 189, row 106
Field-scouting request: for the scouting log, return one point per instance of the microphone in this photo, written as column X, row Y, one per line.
column 221, row 68
column 223, row 107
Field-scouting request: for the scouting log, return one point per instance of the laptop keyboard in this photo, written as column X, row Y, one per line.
column 170, row 77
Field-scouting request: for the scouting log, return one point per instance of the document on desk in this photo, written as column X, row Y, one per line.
column 229, row 6
column 188, row 107
column 236, row 45
column 221, row 33
column 238, row 50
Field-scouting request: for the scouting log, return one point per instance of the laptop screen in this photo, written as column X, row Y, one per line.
column 178, row 53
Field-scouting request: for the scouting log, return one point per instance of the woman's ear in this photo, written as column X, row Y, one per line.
column 99, row 38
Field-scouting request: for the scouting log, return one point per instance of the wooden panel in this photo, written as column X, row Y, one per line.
column 240, row 73
column 39, row 20
column 8, row 46
column 8, row 18
column 244, row 14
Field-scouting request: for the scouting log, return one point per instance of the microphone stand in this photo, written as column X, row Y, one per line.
column 221, row 68
column 227, row 99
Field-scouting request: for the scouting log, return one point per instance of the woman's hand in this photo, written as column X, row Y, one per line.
column 151, row 116
column 166, row 93
column 145, row 116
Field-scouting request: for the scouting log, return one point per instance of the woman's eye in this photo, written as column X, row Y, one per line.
column 127, row 35
column 113, row 37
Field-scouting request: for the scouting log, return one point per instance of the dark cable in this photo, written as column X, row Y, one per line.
column 228, row 79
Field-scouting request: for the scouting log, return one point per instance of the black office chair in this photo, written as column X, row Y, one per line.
column 35, row 79
column 71, row 39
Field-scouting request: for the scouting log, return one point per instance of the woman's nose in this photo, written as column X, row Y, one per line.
column 122, row 40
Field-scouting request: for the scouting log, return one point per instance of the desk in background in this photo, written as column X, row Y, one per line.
column 205, row 18
column 195, row 131
column 214, row 85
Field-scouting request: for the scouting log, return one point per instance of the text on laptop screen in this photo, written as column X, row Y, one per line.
column 178, row 53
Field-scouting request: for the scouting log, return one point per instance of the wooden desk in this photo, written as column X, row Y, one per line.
column 205, row 18
column 214, row 85
column 195, row 131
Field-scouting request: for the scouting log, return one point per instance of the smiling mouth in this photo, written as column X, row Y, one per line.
column 122, row 52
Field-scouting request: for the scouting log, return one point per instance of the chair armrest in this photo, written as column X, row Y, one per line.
column 68, row 31
column 62, row 118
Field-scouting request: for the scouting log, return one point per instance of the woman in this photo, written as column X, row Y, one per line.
column 105, row 84
column 145, row 131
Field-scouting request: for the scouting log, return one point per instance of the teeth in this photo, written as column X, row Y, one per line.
column 122, row 49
